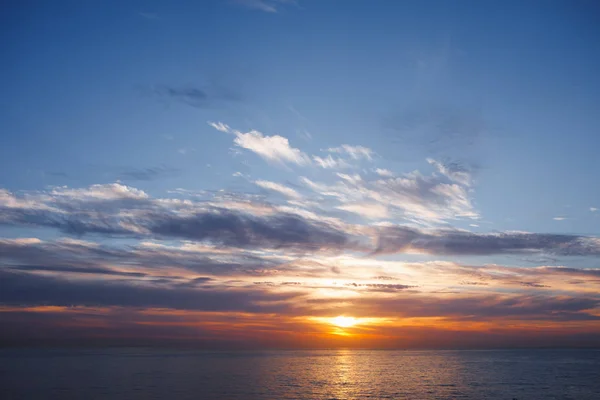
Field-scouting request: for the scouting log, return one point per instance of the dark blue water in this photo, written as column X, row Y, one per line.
column 327, row 374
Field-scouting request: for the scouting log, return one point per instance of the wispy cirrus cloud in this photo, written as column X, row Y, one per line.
column 437, row 198
column 277, row 149
column 412, row 196
column 368, row 210
column 355, row 152
column 453, row 171
column 268, row 6
column 331, row 163
column 279, row 188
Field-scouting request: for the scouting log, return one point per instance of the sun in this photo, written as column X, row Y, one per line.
column 344, row 322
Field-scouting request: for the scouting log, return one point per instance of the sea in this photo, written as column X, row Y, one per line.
column 136, row 373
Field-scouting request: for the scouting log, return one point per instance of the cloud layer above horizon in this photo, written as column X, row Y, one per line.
column 296, row 252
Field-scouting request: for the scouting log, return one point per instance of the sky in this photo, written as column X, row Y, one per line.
column 300, row 174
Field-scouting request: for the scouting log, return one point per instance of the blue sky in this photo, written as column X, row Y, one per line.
column 81, row 82
column 320, row 109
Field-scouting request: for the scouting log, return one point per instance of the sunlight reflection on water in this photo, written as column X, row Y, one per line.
column 333, row 374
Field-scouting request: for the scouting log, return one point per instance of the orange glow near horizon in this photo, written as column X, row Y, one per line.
column 274, row 330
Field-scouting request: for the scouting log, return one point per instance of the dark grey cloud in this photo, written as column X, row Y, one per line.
column 115, row 210
column 204, row 294
column 567, row 271
column 69, row 269
column 238, row 230
column 380, row 287
column 533, row 284
column 385, row 278
column 152, row 262
column 147, row 174
column 204, row 96
column 474, row 283
column 93, row 259
column 453, row 242
column 18, row 288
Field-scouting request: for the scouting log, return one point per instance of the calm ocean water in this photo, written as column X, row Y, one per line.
column 328, row 374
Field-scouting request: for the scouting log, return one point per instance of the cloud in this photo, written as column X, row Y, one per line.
column 93, row 271
column 484, row 307
column 18, row 288
column 220, row 126
column 380, row 287
column 453, row 242
column 149, row 260
column 238, row 230
column 118, row 210
column 195, row 285
column 437, row 198
column 239, row 174
column 268, row 6
column 593, row 209
column 424, row 199
column 180, row 264
column 386, row 173
column 275, row 149
column 198, row 96
column 367, row 210
column 501, row 278
column 147, row 174
column 453, row 171
column 276, row 187
column 100, row 192
column 356, row 152
column 271, row 148
column 330, row 162
column 306, row 135
column 49, row 284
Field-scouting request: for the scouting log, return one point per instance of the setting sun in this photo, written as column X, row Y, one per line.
column 344, row 322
